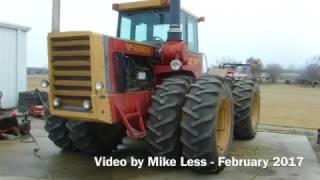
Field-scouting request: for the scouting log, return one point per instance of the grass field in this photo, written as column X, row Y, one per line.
column 281, row 105
column 291, row 106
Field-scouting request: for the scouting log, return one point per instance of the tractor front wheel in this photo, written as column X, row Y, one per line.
column 58, row 133
column 207, row 124
column 94, row 138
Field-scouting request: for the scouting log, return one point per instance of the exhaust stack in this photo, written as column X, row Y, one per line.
column 174, row 33
column 55, row 16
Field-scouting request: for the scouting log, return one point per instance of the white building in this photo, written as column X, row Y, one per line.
column 13, row 60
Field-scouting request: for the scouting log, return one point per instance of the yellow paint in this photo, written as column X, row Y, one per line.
column 101, row 105
column 140, row 5
column 150, row 4
column 99, row 99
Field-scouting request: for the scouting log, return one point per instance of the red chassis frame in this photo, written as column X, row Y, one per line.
column 131, row 108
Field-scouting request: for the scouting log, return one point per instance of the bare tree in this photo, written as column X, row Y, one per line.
column 258, row 65
column 274, row 71
column 312, row 69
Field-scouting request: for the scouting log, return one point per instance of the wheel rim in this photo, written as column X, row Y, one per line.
column 223, row 126
column 255, row 110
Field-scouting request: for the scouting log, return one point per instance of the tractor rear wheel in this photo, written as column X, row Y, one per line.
column 207, row 125
column 163, row 125
column 246, row 95
column 94, row 138
column 58, row 133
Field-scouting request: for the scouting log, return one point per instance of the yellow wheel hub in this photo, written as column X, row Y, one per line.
column 255, row 108
column 223, row 126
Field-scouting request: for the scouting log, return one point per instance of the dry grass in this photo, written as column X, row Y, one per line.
column 281, row 105
column 291, row 106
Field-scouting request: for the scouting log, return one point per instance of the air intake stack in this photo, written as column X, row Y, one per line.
column 174, row 33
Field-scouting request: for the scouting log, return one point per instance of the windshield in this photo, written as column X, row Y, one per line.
column 144, row 26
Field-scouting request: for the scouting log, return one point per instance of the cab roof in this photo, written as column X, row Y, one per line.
column 149, row 4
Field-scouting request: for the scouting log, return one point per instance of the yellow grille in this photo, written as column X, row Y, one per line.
column 71, row 71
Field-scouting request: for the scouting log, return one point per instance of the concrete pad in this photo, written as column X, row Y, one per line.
column 17, row 161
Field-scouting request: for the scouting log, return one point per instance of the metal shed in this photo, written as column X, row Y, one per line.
column 13, row 60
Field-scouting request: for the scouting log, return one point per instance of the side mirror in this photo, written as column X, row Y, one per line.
column 202, row 19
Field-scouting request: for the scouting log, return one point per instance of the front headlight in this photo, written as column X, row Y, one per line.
column 86, row 104
column 44, row 83
column 99, row 86
column 176, row 65
column 56, row 102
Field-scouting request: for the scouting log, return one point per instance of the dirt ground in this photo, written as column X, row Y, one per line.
column 281, row 105
column 290, row 105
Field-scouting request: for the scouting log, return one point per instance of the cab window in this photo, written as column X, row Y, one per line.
column 192, row 28
column 147, row 26
column 125, row 32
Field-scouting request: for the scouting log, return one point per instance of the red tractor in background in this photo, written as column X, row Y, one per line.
column 146, row 85
column 236, row 71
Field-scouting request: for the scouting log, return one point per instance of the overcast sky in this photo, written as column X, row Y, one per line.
column 277, row 31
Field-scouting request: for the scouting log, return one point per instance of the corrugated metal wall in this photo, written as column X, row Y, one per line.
column 13, row 74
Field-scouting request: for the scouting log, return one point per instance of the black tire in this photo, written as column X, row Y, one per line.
column 200, row 122
column 58, row 133
column 94, row 138
column 163, row 125
column 244, row 91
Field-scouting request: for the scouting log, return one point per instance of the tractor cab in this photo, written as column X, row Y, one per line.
column 150, row 23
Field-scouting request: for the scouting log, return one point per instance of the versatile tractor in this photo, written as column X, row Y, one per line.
column 146, row 85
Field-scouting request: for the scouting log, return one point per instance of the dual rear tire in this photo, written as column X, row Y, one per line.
column 206, row 115
column 192, row 119
column 246, row 94
column 207, row 126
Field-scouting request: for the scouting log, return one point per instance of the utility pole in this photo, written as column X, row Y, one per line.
column 56, row 15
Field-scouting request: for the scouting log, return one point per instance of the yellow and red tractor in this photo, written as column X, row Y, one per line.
column 146, row 84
